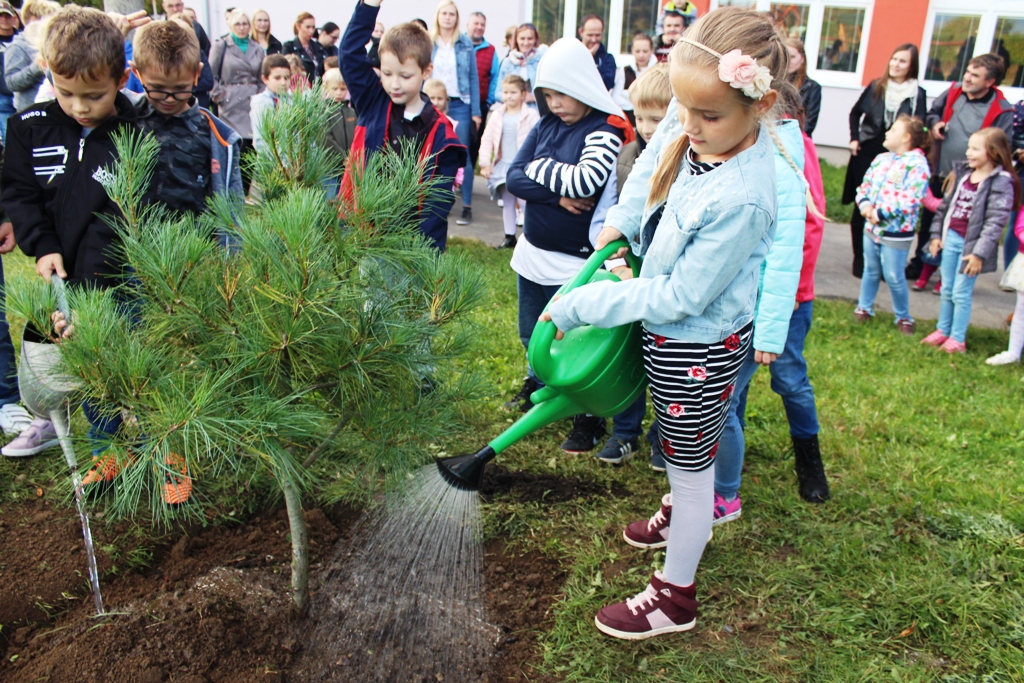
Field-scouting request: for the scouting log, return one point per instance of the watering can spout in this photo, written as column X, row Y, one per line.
column 465, row 471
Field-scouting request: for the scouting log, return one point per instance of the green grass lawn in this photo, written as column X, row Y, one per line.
column 914, row 571
column 833, row 178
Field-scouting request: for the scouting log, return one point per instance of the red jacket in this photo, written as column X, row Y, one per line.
column 995, row 107
column 815, row 226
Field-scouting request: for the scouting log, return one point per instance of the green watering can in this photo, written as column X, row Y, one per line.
column 591, row 370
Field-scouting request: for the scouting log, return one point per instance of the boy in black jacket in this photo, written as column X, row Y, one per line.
column 55, row 161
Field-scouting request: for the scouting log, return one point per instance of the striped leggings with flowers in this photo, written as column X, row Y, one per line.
column 691, row 387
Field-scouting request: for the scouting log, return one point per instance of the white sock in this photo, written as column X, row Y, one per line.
column 1017, row 327
column 693, row 502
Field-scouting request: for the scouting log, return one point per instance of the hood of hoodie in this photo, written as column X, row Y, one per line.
column 569, row 68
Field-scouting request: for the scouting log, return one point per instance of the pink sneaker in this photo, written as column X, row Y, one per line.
column 953, row 346
column 726, row 510
column 652, row 533
column 660, row 608
column 936, row 338
column 36, row 438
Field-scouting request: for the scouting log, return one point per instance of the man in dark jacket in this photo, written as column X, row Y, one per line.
column 955, row 116
column 591, row 31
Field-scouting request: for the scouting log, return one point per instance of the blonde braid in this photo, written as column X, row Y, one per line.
column 812, row 207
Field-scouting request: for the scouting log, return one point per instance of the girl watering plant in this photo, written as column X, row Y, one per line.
column 708, row 223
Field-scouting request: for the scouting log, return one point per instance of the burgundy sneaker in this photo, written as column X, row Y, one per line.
column 906, row 326
column 660, row 608
column 652, row 533
column 861, row 315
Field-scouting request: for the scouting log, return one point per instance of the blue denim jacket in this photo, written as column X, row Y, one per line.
column 465, row 67
column 701, row 270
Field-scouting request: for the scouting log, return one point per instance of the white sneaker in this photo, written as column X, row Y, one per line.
column 1004, row 358
column 14, row 419
column 501, row 203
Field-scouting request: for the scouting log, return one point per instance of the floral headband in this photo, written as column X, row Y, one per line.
column 740, row 71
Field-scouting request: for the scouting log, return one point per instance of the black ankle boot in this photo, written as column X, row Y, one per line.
column 809, row 470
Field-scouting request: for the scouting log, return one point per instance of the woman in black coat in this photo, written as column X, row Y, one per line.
column 261, row 33
column 810, row 89
column 308, row 49
column 881, row 103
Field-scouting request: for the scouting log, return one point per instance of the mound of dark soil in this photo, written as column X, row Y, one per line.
column 213, row 606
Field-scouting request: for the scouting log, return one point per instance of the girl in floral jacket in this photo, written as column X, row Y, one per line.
column 890, row 199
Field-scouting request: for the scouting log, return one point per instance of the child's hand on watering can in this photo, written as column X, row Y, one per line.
column 61, row 325
column 609, row 234
column 545, row 317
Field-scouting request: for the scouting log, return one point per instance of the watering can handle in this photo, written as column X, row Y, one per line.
column 544, row 332
column 60, row 291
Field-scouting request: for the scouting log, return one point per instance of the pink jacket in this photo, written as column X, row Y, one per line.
column 490, row 143
column 1018, row 230
column 815, row 226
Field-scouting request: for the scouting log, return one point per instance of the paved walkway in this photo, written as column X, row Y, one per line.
column 832, row 276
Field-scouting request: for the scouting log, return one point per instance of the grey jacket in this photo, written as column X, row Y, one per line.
column 237, row 78
column 992, row 208
column 21, row 73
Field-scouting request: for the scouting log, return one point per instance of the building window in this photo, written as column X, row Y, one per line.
column 548, row 18
column 954, row 37
column 1009, row 44
column 599, row 8
column 839, row 47
column 792, row 19
column 638, row 16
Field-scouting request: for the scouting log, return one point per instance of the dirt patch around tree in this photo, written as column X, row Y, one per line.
column 213, row 605
column 530, row 487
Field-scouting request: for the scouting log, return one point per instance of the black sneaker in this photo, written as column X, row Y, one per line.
column 467, row 216
column 508, row 243
column 616, row 451
column 521, row 401
column 587, row 432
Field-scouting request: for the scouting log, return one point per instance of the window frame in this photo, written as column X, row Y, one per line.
column 815, row 20
column 988, row 20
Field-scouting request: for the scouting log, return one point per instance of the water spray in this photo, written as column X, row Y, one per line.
column 590, row 370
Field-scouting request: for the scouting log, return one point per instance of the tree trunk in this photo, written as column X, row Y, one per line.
column 300, row 549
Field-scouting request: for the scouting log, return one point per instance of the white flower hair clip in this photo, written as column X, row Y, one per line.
column 740, row 71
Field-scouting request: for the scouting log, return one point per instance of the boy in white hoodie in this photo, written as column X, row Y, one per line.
column 564, row 171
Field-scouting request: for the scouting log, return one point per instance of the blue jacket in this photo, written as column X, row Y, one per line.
column 605, row 66
column 465, row 66
column 780, row 272
column 446, row 155
column 699, row 279
column 528, row 71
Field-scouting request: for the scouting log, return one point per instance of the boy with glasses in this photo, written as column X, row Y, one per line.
column 200, row 155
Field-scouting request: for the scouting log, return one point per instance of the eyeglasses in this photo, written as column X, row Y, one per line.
column 164, row 95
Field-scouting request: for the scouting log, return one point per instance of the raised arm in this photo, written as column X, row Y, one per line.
column 363, row 84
